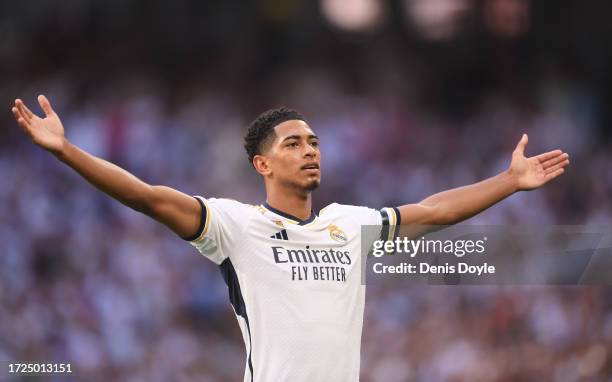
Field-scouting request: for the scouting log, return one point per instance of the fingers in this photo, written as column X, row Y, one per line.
column 25, row 112
column 19, row 106
column 16, row 113
column 554, row 174
column 45, row 105
column 546, row 156
column 520, row 147
column 23, row 123
column 556, row 167
column 555, row 160
column 19, row 115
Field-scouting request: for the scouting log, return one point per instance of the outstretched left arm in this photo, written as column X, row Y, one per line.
column 452, row 206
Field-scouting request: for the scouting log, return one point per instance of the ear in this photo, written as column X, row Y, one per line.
column 262, row 165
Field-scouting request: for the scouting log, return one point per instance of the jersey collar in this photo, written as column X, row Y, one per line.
column 291, row 217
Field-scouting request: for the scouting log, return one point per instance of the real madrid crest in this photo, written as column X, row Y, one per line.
column 337, row 234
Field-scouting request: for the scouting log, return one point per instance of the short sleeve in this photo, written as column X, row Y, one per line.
column 388, row 219
column 382, row 225
column 391, row 220
column 221, row 227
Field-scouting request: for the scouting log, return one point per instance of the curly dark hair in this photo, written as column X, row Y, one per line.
column 262, row 129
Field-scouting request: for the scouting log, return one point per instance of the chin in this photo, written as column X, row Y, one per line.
column 312, row 185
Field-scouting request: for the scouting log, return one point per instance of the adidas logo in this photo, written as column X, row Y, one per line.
column 282, row 235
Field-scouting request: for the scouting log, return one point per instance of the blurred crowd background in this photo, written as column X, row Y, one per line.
column 409, row 97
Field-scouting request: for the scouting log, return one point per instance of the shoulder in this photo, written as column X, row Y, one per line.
column 228, row 207
column 346, row 208
column 226, row 202
column 363, row 214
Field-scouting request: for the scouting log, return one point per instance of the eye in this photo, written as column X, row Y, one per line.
column 292, row 144
column 315, row 144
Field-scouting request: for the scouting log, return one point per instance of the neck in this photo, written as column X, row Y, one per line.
column 292, row 203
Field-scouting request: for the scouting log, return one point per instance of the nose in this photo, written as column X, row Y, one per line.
column 310, row 151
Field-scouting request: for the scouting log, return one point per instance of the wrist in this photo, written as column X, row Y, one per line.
column 62, row 151
column 512, row 179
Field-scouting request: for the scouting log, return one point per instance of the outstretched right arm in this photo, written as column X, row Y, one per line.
column 176, row 210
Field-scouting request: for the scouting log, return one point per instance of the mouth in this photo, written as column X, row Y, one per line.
column 310, row 166
column 311, row 169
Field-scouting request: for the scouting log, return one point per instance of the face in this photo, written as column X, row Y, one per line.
column 293, row 158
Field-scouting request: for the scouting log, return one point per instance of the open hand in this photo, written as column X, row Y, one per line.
column 46, row 132
column 534, row 172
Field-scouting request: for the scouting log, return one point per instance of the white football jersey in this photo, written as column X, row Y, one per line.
column 295, row 286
